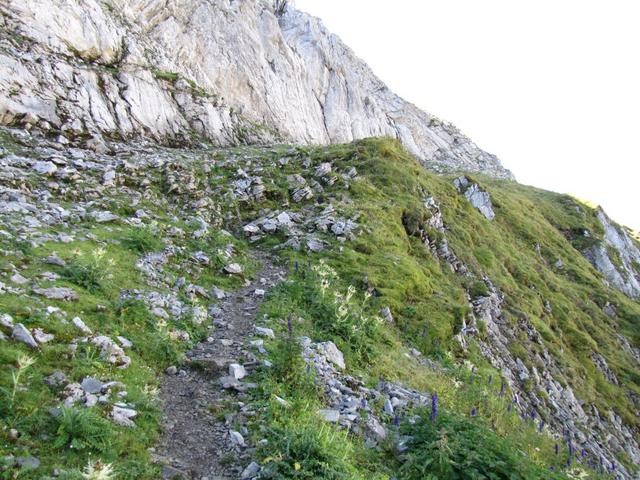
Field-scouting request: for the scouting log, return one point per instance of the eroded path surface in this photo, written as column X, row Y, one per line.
column 204, row 412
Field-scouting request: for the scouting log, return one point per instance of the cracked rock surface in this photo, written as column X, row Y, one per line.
column 229, row 72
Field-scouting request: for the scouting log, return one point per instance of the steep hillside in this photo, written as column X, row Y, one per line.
column 425, row 326
column 231, row 72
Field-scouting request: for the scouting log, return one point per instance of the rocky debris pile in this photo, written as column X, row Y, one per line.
column 168, row 307
column 300, row 228
column 248, row 188
column 32, row 338
column 480, row 199
column 349, row 403
column 91, row 392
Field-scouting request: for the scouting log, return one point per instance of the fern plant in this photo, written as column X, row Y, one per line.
column 82, row 430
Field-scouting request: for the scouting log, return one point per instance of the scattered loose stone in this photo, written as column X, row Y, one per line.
column 124, row 342
column 387, row 315
column 19, row 279
column 233, row 269
column 332, row 354
column 315, row 245
column 21, row 334
column 265, row 332
column 91, row 385
column 281, row 401
column 41, row 337
column 57, row 293
column 45, row 168
column 55, row 260
column 329, row 415
column 104, row 217
column 111, row 351
column 80, row 325
column 56, row 379
column 237, row 371
column 237, row 438
column 122, row 416
column 6, row 321
column 251, row 471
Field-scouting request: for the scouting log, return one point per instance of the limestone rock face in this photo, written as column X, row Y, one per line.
column 480, row 199
column 227, row 71
column 617, row 257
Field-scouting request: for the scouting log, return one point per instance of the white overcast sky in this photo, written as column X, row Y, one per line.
column 550, row 86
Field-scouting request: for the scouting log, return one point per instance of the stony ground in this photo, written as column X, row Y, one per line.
column 204, row 411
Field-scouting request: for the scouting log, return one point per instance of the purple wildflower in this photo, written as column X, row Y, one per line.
column 541, row 427
column 474, row 412
column 308, row 368
column 568, row 461
column 583, row 453
column 290, row 325
column 364, row 403
column 533, row 414
column 434, row 407
column 396, row 421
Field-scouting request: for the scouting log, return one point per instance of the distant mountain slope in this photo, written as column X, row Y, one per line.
column 229, row 71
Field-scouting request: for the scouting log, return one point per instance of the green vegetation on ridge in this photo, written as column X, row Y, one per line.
column 518, row 251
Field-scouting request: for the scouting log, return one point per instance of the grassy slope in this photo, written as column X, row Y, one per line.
column 427, row 300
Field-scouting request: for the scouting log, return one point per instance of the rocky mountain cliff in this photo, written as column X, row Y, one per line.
column 222, row 70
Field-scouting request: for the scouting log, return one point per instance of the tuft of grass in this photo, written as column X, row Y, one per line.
column 143, row 241
column 165, row 75
column 458, row 447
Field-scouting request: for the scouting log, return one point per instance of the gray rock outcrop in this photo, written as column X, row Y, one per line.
column 228, row 72
column 617, row 257
column 477, row 197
